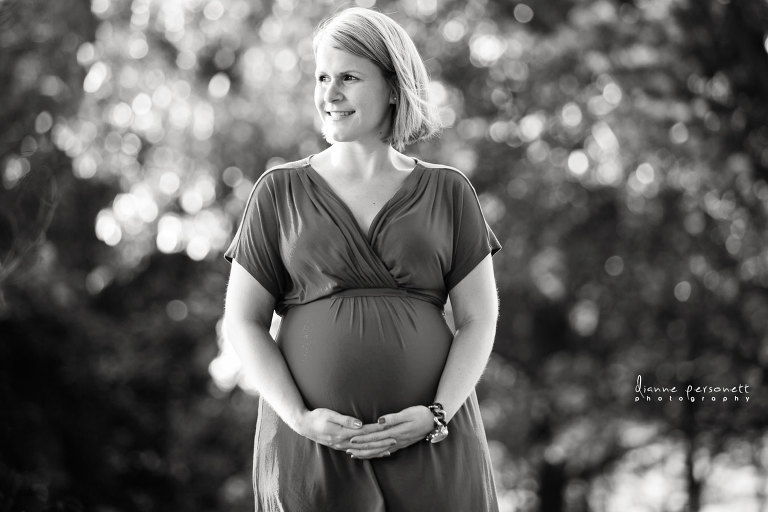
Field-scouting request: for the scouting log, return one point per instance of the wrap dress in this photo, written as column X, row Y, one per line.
column 364, row 333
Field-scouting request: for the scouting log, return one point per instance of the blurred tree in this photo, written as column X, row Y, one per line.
column 639, row 216
column 620, row 151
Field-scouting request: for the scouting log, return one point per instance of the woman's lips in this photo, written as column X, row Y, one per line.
column 338, row 115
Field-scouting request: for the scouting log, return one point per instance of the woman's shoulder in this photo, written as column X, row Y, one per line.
column 280, row 173
column 285, row 168
column 447, row 174
column 273, row 183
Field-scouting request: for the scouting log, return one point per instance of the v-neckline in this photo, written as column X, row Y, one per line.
column 367, row 234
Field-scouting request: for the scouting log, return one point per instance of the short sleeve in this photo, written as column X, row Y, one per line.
column 473, row 239
column 256, row 245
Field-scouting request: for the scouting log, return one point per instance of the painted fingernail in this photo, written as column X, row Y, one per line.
column 358, row 423
column 387, row 454
column 382, row 420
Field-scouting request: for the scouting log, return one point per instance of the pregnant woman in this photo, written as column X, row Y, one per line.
column 367, row 400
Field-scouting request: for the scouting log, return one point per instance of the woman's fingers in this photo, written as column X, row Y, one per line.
column 333, row 429
column 375, row 449
column 390, row 433
column 342, row 432
column 381, row 452
column 390, row 420
column 344, row 421
column 369, row 428
column 374, row 445
column 353, row 423
column 373, row 437
column 368, row 454
column 393, row 432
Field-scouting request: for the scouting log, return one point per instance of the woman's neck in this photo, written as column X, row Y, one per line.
column 363, row 161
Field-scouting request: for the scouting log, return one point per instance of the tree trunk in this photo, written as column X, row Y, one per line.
column 552, row 481
column 693, row 484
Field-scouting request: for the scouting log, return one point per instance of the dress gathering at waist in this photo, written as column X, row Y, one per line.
column 404, row 293
column 386, row 292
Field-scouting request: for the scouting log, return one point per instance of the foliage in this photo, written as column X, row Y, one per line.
column 620, row 151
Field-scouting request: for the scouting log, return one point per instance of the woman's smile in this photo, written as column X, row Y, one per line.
column 339, row 115
column 352, row 96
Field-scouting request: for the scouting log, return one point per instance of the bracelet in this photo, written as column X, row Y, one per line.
column 441, row 426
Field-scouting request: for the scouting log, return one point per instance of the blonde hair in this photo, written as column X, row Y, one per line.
column 378, row 38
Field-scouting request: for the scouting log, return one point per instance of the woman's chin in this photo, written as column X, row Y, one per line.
column 334, row 139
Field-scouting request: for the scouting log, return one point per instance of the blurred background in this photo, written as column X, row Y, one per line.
column 620, row 150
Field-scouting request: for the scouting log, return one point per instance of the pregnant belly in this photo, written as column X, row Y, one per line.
column 365, row 356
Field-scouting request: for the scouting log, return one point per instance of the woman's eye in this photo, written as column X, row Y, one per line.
column 326, row 78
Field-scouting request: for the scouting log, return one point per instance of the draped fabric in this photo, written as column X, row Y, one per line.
column 364, row 333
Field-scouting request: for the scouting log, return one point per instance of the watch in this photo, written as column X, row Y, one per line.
column 441, row 426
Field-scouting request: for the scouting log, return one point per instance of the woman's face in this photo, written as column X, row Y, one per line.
column 352, row 96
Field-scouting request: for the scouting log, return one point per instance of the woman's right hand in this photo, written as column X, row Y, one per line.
column 334, row 430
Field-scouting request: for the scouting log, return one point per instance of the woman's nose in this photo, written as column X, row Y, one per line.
column 332, row 91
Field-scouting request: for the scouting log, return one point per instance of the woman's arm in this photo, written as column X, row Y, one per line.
column 247, row 318
column 476, row 310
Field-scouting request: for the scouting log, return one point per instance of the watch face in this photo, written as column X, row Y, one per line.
column 436, row 438
column 438, row 434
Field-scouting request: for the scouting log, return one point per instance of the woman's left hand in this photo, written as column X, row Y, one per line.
column 406, row 427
